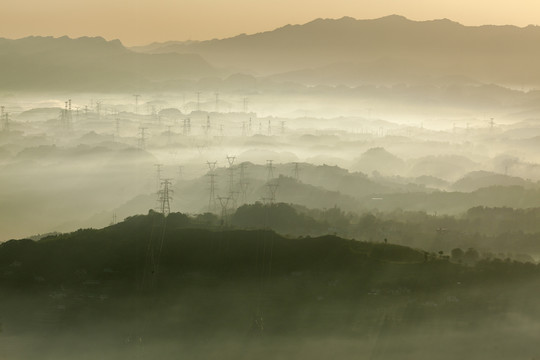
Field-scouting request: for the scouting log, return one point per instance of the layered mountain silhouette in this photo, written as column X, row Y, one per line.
column 389, row 50
column 391, row 47
column 90, row 64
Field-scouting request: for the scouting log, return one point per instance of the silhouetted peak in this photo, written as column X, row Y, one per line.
column 394, row 18
column 378, row 151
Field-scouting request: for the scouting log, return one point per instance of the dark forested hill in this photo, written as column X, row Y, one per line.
column 151, row 288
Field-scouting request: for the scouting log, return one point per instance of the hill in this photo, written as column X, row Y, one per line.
column 140, row 288
column 90, row 64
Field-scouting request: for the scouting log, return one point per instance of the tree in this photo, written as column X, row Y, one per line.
column 471, row 256
column 457, row 254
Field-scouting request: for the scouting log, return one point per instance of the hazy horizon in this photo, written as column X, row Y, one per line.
column 256, row 32
column 143, row 22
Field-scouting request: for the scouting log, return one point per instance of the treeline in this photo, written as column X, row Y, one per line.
column 494, row 232
column 500, row 232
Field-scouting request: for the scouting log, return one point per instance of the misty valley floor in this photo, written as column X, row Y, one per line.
column 254, row 294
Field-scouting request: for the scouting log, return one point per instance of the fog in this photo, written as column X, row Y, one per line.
column 320, row 190
column 63, row 177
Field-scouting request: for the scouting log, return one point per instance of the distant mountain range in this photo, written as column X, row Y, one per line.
column 90, row 64
column 392, row 48
column 388, row 51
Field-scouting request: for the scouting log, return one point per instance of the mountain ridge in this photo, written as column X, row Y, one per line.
column 90, row 64
column 389, row 50
column 489, row 53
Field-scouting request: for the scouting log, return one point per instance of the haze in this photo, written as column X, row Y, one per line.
column 142, row 21
column 333, row 187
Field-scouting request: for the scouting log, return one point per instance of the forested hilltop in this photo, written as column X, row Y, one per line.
column 186, row 284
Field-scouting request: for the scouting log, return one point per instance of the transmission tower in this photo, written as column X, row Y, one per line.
column 491, row 124
column 66, row 116
column 246, row 101
column 212, row 190
column 142, row 138
column 6, row 122
column 269, row 127
column 208, row 127
column 243, row 183
column 230, row 161
column 186, row 130
column 4, row 118
column 137, row 103
column 234, row 198
column 217, row 102
column 212, row 195
column 69, row 115
column 164, row 197
column 296, row 171
column 98, row 108
column 282, row 127
column 269, row 170
column 242, row 171
column 272, row 188
column 224, row 202
column 211, row 165
column 117, row 124
column 271, row 183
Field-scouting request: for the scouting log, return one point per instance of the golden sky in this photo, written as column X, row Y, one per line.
column 139, row 22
